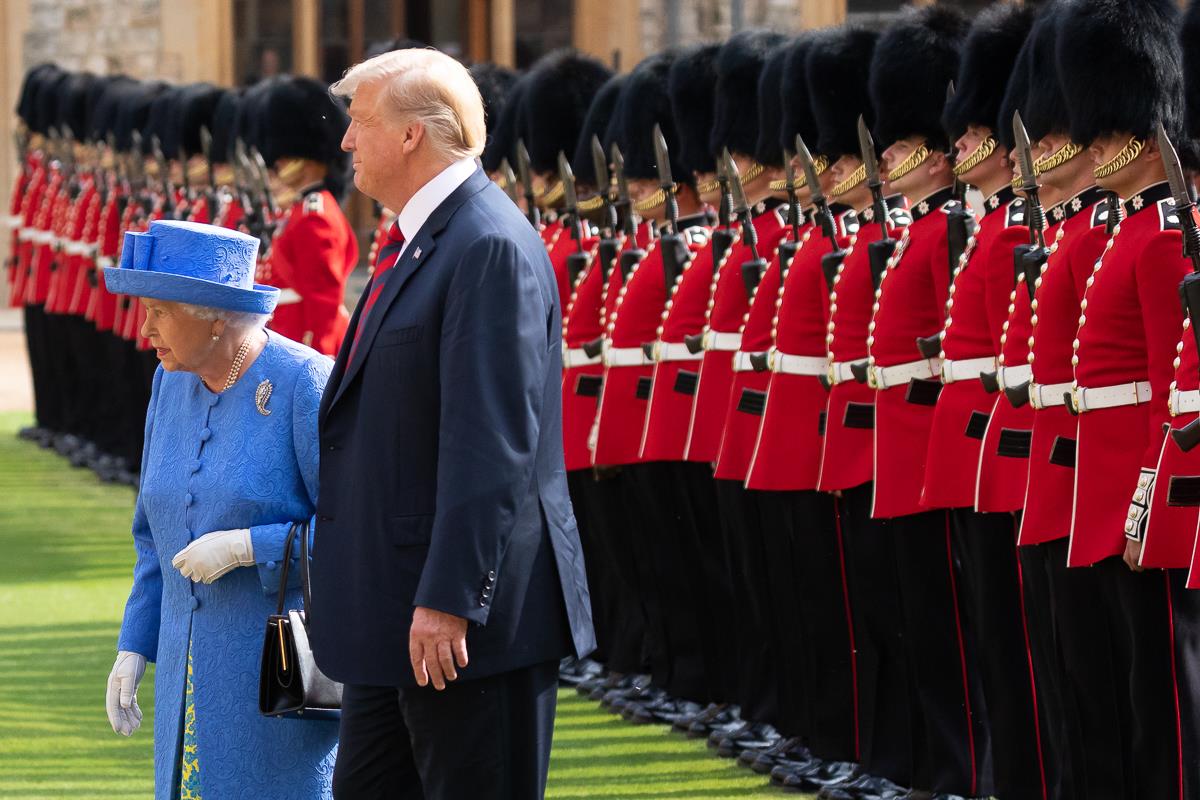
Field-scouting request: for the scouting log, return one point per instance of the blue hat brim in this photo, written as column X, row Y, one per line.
column 182, row 289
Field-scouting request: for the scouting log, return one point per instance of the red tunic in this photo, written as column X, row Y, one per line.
column 1004, row 456
column 102, row 304
column 674, row 387
column 1129, row 324
column 582, row 323
column 37, row 284
column 1079, row 242
column 31, row 205
column 910, row 304
column 311, row 260
column 726, row 315
column 847, row 450
column 787, row 452
column 15, row 218
column 558, row 247
column 975, row 315
column 70, row 259
column 85, row 273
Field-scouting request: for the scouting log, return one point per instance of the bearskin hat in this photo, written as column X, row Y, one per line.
column 770, row 110
column 692, row 85
column 134, row 112
column 988, row 58
column 914, row 61
column 561, row 88
column 494, row 82
column 304, row 121
column 45, row 114
column 735, row 114
column 510, row 126
column 644, row 103
column 103, row 121
column 1190, row 41
column 27, row 102
column 72, row 110
column 838, row 67
column 1120, row 65
column 797, row 117
column 225, row 117
column 164, row 111
column 596, row 123
column 1016, row 96
column 197, row 104
column 1044, row 109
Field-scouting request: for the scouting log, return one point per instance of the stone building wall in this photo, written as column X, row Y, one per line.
column 103, row 36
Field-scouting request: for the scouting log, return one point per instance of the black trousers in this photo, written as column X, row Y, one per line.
column 1040, row 565
column 888, row 730
column 1185, row 617
column 708, row 573
column 1137, row 608
column 487, row 739
column 813, row 626
column 985, row 546
column 941, row 657
column 38, row 346
column 608, row 509
column 665, row 544
column 757, row 689
column 599, row 574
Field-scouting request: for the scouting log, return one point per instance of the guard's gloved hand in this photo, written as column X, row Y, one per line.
column 121, row 698
column 1139, row 507
column 214, row 554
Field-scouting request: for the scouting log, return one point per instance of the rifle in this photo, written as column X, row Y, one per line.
column 674, row 248
column 531, row 210
column 831, row 261
column 164, row 175
column 960, row 223
column 211, row 198
column 510, row 181
column 577, row 261
column 609, row 244
column 722, row 240
column 754, row 267
column 634, row 254
column 881, row 251
column 1188, row 436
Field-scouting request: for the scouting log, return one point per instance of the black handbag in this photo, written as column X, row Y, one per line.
column 290, row 683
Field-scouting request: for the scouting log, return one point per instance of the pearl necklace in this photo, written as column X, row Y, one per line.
column 235, row 369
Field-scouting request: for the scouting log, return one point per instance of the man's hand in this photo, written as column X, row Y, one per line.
column 1133, row 554
column 436, row 641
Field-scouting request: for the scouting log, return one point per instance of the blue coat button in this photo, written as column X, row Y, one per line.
column 195, row 603
column 216, row 398
column 195, row 465
column 270, row 565
column 188, row 499
column 205, row 434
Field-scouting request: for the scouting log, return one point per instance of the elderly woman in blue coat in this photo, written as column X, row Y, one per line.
column 230, row 463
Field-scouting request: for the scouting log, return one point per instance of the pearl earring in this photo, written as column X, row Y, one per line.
column 216, row 337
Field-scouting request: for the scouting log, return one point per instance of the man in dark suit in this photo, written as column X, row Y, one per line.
column 444, row 529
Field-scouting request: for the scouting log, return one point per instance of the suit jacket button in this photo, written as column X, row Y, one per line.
column 491, row 575
column 482, row 602
column 195, row 603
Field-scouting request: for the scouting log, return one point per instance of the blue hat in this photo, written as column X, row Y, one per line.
column 190, row 262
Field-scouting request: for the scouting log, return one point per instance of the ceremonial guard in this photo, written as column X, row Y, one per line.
column 314, row 249
column 983, row 286
column 1128, row 327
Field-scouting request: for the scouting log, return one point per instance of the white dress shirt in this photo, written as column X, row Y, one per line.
column 426, row 200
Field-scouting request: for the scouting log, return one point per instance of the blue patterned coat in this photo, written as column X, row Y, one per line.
column 214, row 462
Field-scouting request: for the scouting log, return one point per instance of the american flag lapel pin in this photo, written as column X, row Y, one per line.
column 417, row 253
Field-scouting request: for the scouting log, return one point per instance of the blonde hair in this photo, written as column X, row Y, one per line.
column 429, row 87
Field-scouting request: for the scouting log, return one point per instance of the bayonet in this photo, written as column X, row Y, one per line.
column 1029, row 184
column 164, row 177
column 264, row 179
column 866, row 145
column 570, row 199
column 531, row 209
column 624, row 207
column 814, row 187
column 603, row 185
column 665, row 181
column 1188, row 436
column 510, row 181
column 790, row 186
column 754, row 267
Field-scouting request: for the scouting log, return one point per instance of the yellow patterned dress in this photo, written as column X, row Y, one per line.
column 189, row 775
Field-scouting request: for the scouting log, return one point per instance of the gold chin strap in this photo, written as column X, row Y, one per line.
column 656, row 200
column 591, row 204
column 198, row 172
column 708, row 187
column 914, row 160
column 552, row 196
column 1132, row 149
column 981, row 154
column 290, row 170
column 1057, row 158
column 858, row 176
column 820, row 164
column 753, row 174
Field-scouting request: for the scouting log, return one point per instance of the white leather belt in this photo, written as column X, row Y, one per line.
column 1185, row 402
column 675, row 351
column 966, row 369
column 41, row 237
column 1048, row 395
column 839, row 372
column 287, row 297
column 103, row 261
column 788, row 364
column 741, row 362
column 77, row 248
column 624, row 357
column 13, row 220
column 576, row 357
column 1085, row 399
column 901, row 374
column 715, row 340
column 1012, row 377
column 26, row 234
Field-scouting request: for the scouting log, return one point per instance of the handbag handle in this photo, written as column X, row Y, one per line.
column 301, row 529
column 305, row 578
column 283, row 572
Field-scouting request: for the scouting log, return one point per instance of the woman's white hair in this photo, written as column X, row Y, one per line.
column 429, row 87
column 238, row 320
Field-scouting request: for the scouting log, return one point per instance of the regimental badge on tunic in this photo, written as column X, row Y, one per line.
column 262, row 396
column 314, row 203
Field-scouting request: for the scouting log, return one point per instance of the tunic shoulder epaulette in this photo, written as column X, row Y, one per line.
column 900, row 217
column 1099, row 214
column 951, row 205
column 696, row 236
column 314, row 203
column 1016, row 213
column 1168, row 217
column 848, row 222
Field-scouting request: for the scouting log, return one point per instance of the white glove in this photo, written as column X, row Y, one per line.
column 1139, row 509
column 214, row 554
column 121, row 697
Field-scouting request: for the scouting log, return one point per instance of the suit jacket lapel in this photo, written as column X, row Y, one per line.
column 416, row 253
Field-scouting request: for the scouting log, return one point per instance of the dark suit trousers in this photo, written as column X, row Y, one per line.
column 486, row 739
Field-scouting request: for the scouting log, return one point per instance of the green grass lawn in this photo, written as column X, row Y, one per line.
column 65, row 562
